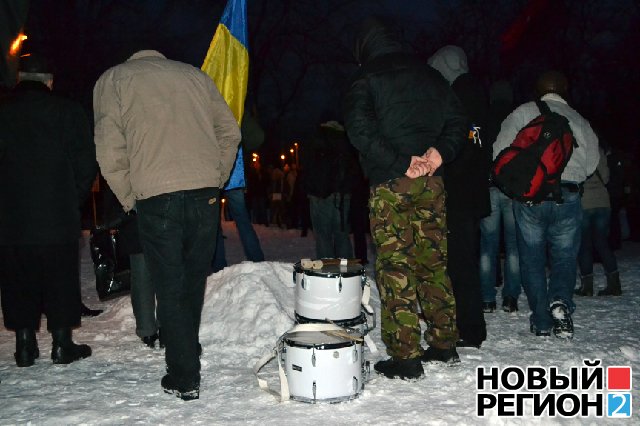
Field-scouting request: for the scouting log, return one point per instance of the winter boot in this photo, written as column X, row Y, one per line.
column 433, row 354
column 586, row 287
column 613, row 287
column 393, row 368
column 64, row 351
column 186, row 393
column 26, row 347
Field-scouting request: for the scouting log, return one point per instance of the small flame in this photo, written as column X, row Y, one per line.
column 15, row 46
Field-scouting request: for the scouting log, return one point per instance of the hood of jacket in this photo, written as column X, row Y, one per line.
column 375, row 39
column 450, row 61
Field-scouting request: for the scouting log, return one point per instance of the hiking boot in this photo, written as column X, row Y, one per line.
column 509, row 304
column 562, row 322
column 613, row 285
column 404, row 369
column 187, row 393
column 26, row 347
column 433, row 354
column 488, row 307
column 539, row 333
column 64, row 351
column 586, row 286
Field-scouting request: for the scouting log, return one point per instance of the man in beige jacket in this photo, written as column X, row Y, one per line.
column 166, row 142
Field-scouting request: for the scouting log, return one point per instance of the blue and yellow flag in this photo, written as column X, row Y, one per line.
column 227, row 63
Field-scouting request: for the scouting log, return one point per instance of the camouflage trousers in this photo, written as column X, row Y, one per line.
column 408, row 226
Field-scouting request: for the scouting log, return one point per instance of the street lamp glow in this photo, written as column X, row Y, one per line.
column 15, row 45
column 282, row 157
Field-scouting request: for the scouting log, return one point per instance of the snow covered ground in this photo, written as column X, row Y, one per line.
column 247, row 308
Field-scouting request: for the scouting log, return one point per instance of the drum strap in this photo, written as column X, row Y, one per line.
column 275, row 353
column 366, row 296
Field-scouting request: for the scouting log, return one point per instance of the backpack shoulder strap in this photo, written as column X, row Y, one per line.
column 543, row 107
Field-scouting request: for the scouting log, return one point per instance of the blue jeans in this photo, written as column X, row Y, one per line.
column 331, row 228
column 490, row 227
column 248, row 238
column 554, row 229
column 595, row 234
column 176, row 232
column 143, row 296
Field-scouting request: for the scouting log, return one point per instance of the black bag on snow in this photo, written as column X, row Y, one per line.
column 110, row 261
column 529, row 170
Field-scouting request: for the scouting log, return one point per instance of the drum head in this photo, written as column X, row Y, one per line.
column 331, row 271
column 318, row 339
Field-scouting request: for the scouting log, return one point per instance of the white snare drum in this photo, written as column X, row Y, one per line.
column 321, row 367
column 333, row 293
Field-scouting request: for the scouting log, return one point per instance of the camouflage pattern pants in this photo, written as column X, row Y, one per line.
column 408, row 226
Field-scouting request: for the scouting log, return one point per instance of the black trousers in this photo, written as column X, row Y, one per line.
column 40, row 279
column 178, row 235
column 463, row 246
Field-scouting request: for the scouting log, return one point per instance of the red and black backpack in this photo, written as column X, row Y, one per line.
column 529, row 169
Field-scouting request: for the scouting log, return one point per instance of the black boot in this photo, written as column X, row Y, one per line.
column 433, row 354
column 64, row 351
column 586, row 287
column 26, row 347
column 613, row 285
column 186, row 393
column 400, row 368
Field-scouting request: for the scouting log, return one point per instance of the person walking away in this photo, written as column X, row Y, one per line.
column 405, row 121
column 329, row 161
column 466, row 181
column 596, row 217
column 166, row 142
column 501, row 220
column 548, row 233
column 40, row 212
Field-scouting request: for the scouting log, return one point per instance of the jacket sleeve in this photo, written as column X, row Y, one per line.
column 455, row 129
column 81, row 151
column 111, row 145
column 590, row 140
column 509, row 128
column 227, row 132
column 364, row 133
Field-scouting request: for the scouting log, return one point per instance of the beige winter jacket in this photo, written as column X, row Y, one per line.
column 161, row 126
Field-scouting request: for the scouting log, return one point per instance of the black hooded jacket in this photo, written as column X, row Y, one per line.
column 47, row 165
column 398, row 107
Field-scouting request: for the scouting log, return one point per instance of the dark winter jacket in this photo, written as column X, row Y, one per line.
column 398, row 107
column 467, row 177
column 329, row 161
column 47, row 166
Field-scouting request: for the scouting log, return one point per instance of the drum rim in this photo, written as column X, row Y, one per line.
column 346, row 323
column 319, row 273
column 333, row 400
column 320, row 346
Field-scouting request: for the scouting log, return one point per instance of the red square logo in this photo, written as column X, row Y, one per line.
column 619, row 378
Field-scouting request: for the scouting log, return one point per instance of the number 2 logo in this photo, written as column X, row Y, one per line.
column 618, row 405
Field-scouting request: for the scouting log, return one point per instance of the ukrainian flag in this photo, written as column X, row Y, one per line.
column 227, row 63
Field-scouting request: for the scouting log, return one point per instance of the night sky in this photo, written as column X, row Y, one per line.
column 300, row 50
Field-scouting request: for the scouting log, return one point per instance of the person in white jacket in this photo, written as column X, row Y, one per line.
column 549, row 233
column 166, row 141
